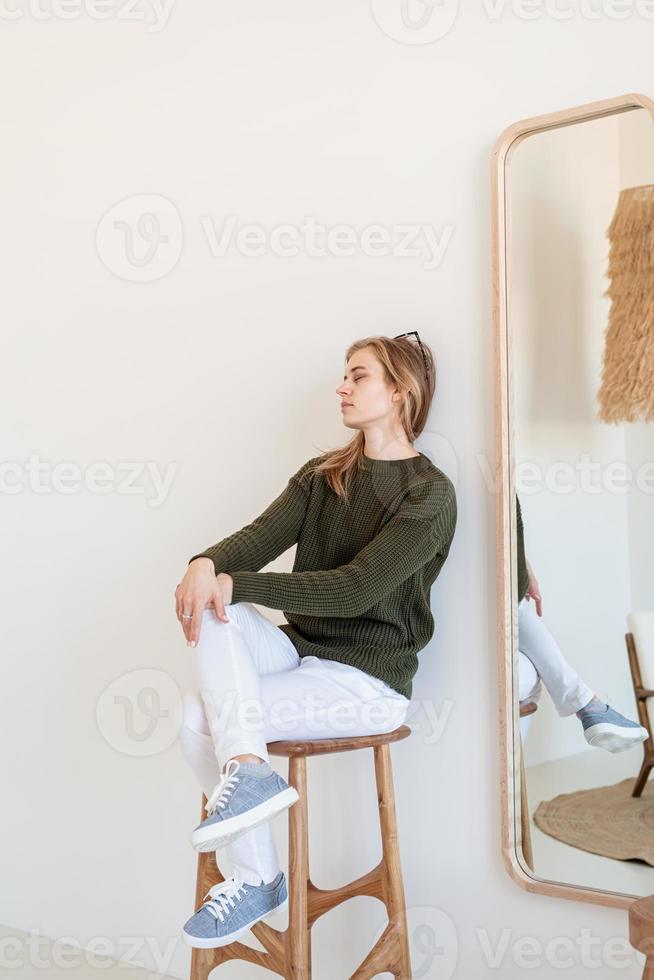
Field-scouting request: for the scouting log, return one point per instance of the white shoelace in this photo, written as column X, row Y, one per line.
column 222, row 896
column 224, row 788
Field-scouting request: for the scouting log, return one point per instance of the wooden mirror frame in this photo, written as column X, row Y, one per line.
column 505, row 146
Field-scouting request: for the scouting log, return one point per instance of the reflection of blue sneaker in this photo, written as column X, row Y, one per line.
column 233, row 907
column 608, row 729
column 248, row 793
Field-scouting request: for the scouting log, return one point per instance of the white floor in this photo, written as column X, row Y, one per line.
column 560, row 862
column 21, row 957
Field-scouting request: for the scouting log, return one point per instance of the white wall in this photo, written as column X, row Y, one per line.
column 224, row 369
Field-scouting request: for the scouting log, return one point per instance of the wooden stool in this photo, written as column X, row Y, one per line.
column 641, row 932
column 528, row 708
column 288, row 953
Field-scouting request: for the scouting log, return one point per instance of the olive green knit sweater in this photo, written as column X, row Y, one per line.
column 359, row 589
column 523, row 574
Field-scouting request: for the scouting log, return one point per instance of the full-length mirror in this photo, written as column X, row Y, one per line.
column 576, row 412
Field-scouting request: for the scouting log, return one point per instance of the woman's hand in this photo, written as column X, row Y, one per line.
column 199, row 589
column 533, row 591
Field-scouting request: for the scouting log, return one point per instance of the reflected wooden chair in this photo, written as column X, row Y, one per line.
column 526, row 708
column 640, row 651
column 288, row 952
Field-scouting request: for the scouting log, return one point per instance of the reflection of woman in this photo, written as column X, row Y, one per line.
column 603, row 725
column 373, row 523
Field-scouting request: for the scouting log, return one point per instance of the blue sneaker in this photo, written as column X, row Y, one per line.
column 608, row 729
column 248, row 794
column 233, row 907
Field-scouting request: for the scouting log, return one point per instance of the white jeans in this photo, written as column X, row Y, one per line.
column 568, row 691
column 254, row 688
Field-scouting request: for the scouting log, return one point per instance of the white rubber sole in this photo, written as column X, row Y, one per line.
column 615, row 738
column 224, row 940
column 218, row 834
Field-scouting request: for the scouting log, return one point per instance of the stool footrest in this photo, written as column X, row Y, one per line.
column 321, row 900
column 203, row 961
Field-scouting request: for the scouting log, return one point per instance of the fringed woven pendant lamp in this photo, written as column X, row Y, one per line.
column 626, row 392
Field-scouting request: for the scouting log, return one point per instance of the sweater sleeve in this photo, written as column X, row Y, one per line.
column 422, row 526
column 520, row 531
column 268, row 535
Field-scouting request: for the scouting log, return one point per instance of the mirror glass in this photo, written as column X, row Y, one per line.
column 580, row 306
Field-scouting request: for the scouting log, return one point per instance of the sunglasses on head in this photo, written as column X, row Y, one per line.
column 414, row 333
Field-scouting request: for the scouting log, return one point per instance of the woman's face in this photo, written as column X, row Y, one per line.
column 365, row 394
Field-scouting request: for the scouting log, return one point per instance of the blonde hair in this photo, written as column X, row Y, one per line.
column 404, row 367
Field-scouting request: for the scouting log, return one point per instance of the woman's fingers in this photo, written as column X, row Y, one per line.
column 183, row 604
column 194, row 624
column 188, row 611
column 219, row 606
column 188, row 603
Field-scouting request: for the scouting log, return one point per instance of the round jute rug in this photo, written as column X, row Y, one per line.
column 607, row 820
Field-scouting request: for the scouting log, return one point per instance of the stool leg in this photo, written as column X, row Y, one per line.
column 299, row 932
column 392, row 883
column 525, row 820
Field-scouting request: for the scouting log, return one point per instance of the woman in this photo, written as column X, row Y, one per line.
column 373, row 522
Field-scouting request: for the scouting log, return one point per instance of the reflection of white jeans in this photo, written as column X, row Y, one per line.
column 255, row 688
column 568, row 691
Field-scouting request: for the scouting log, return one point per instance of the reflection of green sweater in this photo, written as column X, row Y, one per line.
column 359, row 589
column 523, row 575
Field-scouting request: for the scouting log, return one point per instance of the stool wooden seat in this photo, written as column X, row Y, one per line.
column 288, row 952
